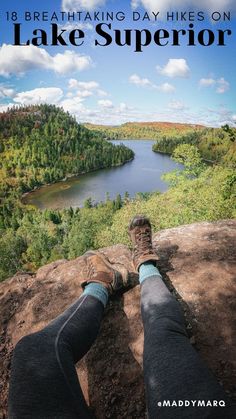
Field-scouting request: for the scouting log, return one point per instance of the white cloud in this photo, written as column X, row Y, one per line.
column 207, row 82
column 105, row 103
column 40, row 95
column 6, row 91
column 165, row 88
column 177, row 105
column 102, row 93
column 83, row 94
column 76, row 84
column 138, row 81
column 69, row 62
column 73, row 105
column 73, row 84
column 111, row 114
column 176, row 67
column 76, row 5
column 164, row 5
column 19, row 59
column 221, row 84
column 85, row 88
column 144, row 82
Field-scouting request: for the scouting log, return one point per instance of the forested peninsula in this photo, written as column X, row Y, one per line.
column 43, row 144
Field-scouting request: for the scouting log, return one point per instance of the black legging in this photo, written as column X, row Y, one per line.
column 44, row 383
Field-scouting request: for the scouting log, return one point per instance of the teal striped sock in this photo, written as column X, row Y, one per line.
column 146, row 270
column 98, row 291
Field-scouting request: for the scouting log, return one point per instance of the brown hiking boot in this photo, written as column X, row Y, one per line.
column 140, row 232
column 99, row 269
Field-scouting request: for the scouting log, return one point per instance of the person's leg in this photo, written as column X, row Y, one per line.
column 173, row 371
column 44, row 382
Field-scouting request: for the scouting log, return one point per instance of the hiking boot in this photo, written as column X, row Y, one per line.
column 99, row 269
column 140, row 232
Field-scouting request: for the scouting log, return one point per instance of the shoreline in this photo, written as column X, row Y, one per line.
column 29, row 198
column 70, row 176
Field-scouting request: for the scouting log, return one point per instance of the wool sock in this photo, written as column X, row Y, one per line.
column 98, row 291
column 146, row 270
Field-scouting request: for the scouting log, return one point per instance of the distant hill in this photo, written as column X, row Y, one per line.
column 43, row 144
column 144, row 130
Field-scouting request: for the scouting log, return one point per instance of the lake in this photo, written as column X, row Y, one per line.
column 143, row 174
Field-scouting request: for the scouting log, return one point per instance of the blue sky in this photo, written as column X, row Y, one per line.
column 113, row 85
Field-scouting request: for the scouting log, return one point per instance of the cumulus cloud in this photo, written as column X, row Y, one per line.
column 69, row 62
column 83, row 94
column 50, row 95
column 81, row 4
column 6, row 91
column 176, row 67
column 73, row 105
column 105, row 103
column 165, row 88
column 76, row 84
column 221, row 84
column 144, row 82
column 85, row 88
column 20, row 59
column 164, row 5
column 139, row 81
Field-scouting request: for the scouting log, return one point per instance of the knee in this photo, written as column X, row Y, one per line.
column 23, row 346
column 23, row 359
column 30, row 353
column 29, row 344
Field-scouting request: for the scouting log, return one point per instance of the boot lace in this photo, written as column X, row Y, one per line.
column 143, row 244
column 90, row 268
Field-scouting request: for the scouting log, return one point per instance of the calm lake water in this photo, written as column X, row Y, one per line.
column 143, row 174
